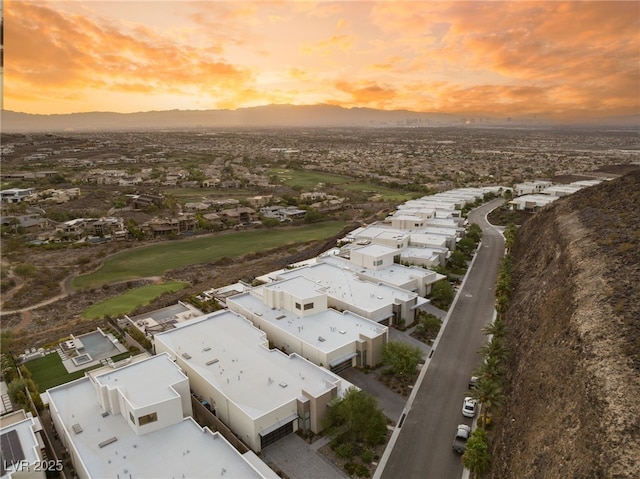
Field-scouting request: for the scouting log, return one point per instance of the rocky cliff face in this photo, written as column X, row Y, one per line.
column 573, row 381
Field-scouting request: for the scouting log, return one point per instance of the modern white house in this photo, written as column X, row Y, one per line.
column 261, row 394
column 21, row 446
column 377, row 264
column 295, row 316
column 531, row 202
column 531, row 187
column 378, row 302
column 16, row 195
column 135, row 421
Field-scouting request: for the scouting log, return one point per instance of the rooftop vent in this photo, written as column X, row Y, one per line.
column 281, row 316
column 105, row 414
column 186, row 355
column 108, row 441
column 283, row 384
column 76, row 428
column 321, row 339
column 206, row 348
column 211, row 361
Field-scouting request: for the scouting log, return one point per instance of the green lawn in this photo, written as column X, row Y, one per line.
column 132, row 299
column 157, row 259
column 308, row 180
column 49, row 371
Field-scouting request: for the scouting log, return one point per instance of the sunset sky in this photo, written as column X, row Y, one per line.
column 559, row 59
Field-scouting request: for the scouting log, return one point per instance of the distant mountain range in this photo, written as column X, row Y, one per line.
column 276, row 116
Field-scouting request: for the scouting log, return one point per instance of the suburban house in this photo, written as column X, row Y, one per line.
column 531, row 202
column 170, row 226
column 135, row 421
column 531, row 187
column 377, row 264
column 295, row 316
column 241, row 214
column 377, row 302
column 16, row 195
column 261, row 394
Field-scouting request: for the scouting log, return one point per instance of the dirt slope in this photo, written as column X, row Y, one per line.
column 573, row 393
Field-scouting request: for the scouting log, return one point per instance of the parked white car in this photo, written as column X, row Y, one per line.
column 469, row 407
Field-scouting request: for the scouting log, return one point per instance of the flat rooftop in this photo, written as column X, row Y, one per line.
column 145, row 382
column 181, row 450
column 326, row 331
column 343, row 284
column 232, row 355
column 396, row 274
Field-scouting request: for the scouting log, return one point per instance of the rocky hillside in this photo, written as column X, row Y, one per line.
column 573, row 393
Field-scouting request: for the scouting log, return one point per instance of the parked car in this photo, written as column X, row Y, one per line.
column 460, row 440
column 469, row 407
column 473, row 382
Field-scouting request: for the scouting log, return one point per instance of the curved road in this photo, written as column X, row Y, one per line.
column 422, row 447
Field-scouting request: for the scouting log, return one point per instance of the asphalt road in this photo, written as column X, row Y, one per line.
column 423, row 446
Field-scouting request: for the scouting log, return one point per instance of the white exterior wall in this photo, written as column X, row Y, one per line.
column 369, row 261
column 283, row 300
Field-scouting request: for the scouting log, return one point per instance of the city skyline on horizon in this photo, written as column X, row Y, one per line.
column 560, row 60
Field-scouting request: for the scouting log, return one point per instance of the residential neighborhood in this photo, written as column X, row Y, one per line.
column 234, row 370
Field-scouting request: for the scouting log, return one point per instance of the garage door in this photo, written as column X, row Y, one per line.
column 276, row 434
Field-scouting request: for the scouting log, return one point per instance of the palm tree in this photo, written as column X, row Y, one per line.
column 491, row 368
column 496, row 328
column 489, row 394
column 494, row 348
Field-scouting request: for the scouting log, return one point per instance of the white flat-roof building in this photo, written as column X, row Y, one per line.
column 134, row 421
column 345, row 291
column 294, row 315
column 562, row 190
column 261, row 394
column 424, row 256
column 531, row 202
column 411, row 278
column 531, row 187
column 426, row 240
column 21, row 446
column 16, row 195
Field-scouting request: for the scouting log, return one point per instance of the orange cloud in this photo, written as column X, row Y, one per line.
column 53, row 53
column 326, row 47
column 369, row 94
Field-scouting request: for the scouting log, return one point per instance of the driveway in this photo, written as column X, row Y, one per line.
column 389, row 401
column 299, row 459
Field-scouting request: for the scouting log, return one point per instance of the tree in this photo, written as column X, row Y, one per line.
column 496, row 328
column 355, row 418
column 474, row 232
column 466, row 245
column 510, row 236
column 458, row 259
column 402, row 358
column 494, row 348
column 442, row 294
column 488, row 393
column 491, row 368
column 477, row 457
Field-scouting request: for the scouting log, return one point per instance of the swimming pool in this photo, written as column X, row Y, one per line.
column 98, row 346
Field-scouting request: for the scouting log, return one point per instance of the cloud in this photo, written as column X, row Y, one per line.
column 330, row 45
column 370, row 94
column 52, row 53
